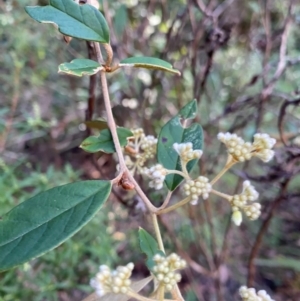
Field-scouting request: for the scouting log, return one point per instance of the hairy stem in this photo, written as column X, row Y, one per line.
column 183, row 166
column 222, row 195
column 229, row 164
column 166, row 201
column 175, row 206
column 110, row 119
column 183, row 174
column 112, row 126
column 157, row 232
column 109, row 54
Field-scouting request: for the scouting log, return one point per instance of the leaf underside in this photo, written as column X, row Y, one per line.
column 173, row 132
column 80, row 67
column 44, row 221
column 148, row 63
column 79, row 21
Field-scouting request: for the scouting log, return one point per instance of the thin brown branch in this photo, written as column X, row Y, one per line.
column 282, row 114
column 282, row 55
column 92, row 85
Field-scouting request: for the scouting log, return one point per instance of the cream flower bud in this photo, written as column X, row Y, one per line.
column 262, row 147
column 148, row 145
column 198, row 187
column 117, row 281
column 241, row 150
column 138, row 133
column 237, row 217
column 244, row 201
column 249, row 294
column 186, row 152
column 249, row 191
column 165, row 270
column 157, row 173
column 236, row 146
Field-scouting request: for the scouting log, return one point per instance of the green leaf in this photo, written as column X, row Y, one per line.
column 79, row 67
column 104, row 142
column 44, row 221
column 149, row 246
column 78, row 21
column 148, row 243
column 173, row 132
column 148, row 63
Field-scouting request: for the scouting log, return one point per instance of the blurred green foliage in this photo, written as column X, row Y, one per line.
column 70, row 265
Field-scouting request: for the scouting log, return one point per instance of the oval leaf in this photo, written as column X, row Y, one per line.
column 172, row 132
column 79, row 21
column 148, row 243
column 104, row 142
column 149, row 246
column 148, row 63
column 79, row 67
column 46, row 220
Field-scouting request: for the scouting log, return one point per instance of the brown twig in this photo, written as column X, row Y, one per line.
column 92, row 85
column 282, row 55
column 282, row 111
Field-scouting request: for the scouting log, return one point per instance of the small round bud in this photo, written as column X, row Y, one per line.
column 237, row 217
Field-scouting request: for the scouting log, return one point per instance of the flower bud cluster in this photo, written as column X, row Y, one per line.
column 148, row 145
column 138, row 133
column 165, row 267
column 196, row 188
column 241, row 201
column 249, row 294
column 262, row 147
column 186, row 152
column 242, row 151
column 236, row 146
column 140, row 148
column 107, row 281
column 158, row 174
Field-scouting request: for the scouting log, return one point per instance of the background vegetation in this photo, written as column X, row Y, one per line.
column 239, row 59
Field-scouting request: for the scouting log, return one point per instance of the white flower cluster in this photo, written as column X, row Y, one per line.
column 157, row 173
column 249, row 294
column 186, row 152
column 165, row 268
column 148, row 145
column 107, row 281
column 196, row 188
column 240, row 201
column 242, row 151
